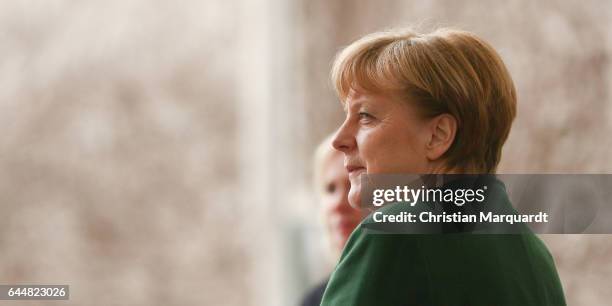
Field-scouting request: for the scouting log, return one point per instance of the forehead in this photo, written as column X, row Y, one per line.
column 334, row 167
column 355, row 99
column 334, row 157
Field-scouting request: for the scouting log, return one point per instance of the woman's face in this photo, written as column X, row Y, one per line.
column 339, row 217
column 381, row 135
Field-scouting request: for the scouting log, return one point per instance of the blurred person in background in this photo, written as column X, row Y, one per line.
column 437, row 103
column 339, row 218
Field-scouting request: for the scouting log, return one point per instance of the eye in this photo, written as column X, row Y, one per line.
column 330, row 188
column 365, row 117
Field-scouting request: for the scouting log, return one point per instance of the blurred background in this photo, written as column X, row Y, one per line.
column 160, row 152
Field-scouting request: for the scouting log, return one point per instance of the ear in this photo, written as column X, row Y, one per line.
column 443, row 129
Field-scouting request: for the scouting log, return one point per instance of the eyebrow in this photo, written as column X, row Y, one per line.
column 346, row 107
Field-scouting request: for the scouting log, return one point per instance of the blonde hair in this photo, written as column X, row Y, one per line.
column 324, row 152
column 446, row 71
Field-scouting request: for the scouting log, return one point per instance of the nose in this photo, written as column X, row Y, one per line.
column 344, row 140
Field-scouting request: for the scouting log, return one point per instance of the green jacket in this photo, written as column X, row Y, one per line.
column 444, row 269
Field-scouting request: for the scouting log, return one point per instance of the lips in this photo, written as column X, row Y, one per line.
column 354, row 168
column 354, row 171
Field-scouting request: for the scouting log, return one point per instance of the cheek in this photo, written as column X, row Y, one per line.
column 327, row 212
column 381, row 149
column 409, row 155
column 392, row 150
column 371, row 148
column 328, row 205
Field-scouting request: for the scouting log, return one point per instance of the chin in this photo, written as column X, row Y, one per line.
column 355, row 201
column 354, row 196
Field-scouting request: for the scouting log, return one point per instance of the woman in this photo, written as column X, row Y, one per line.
column 436, row 103
column 339, row 218
column 332, row 186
